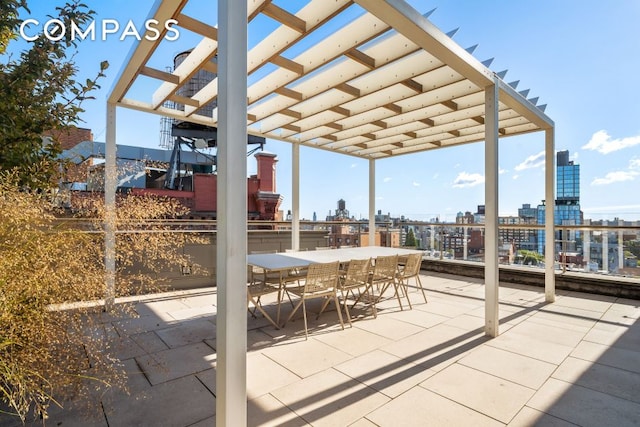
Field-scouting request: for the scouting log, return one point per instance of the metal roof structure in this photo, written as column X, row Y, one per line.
column 387, row 83
column 382, row 83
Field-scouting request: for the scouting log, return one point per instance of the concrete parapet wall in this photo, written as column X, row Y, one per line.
column 623, row 287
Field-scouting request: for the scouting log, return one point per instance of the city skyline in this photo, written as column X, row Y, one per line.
column 578, row 58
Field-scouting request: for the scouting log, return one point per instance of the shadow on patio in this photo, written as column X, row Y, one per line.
column 571, row 362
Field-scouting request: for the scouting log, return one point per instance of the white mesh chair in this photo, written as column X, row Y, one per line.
column 321, row 282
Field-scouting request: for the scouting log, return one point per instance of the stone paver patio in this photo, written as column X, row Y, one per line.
column 574, row 362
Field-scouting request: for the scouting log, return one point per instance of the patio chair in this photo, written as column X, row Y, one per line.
column 321, row 282
column 356, row 278
column 279, row 280
column 255, row 291
column 411, row 269
column 385, row 275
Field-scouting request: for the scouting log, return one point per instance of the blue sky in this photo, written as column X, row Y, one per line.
column 581, row 57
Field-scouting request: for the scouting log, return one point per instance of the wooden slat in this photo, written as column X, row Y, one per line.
column 335, row 126
column 387, row 152
column 369, row 135
column 340, row 110
column 428, row 122
column 455, row 133
column 413, row 85
column 252, row 117
column 289, row 93
column 160, row 75
column 437, row 143
column 354, row 91
column 502, row 131
column 450, row 104
column 288, row 64
column 285, row 18
column 380, row 123
column 198, row 27
column 361, row 58
column 398, row 144
column 361, row 145
column 291, row 113
column 185, row 100
column 411, row 134
column 296, row 129
column 211, row 67
column 394, row 107
column 258, row 10
column 331, row 138
column 478, row 119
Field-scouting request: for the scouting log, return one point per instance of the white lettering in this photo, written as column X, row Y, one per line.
column 58, row 27
column 56, row 30
column 115, row 26
column 130, row 30
column 77, row 32
column 150, row 26
column 23, row 25
column 168, row 25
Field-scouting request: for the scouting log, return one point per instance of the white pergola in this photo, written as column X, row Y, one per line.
column 384, row 84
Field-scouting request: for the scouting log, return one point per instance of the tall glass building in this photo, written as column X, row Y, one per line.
column 567, row 209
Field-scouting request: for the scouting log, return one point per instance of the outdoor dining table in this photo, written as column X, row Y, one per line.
column 287, row 261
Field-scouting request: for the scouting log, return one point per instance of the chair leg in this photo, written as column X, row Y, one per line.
column 346, row 306
column 295, row 309
column 419, row 282
column 335, row 300
column 304, row 314
column 323, row 308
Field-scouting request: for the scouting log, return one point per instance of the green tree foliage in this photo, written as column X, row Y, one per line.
column 411, row 239
column 530, row 257
column 39, row 93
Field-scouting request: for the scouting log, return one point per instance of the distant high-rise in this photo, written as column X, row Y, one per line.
column 567, row 207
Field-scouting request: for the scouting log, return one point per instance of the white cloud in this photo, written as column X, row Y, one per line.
column 502, row 171
column 416, row 184
column 464, row 180
column 436, row 175
column 387, row 179
column 354, row 165
column 531, row 162
column 601, row 142
column 634, row 163
column 617, row 176
column 516, row 176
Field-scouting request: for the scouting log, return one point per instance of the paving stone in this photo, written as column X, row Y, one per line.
column 485, row 393
column 583, row 406
column 176, row 403
column 421, row 407
column 178, row 362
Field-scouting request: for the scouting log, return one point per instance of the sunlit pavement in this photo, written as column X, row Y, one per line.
column 574, row 361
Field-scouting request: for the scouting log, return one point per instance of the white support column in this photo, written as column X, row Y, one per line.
column 464, row 243
column 231, row 370
column 620, row 245
column 295, row 196
column 605, row 247
column 110, row 184
column 491, row 272
column 372, row 202
column 549, row 216
column 586, row 257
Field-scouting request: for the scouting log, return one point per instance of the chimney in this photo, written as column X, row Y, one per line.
column 266, row 171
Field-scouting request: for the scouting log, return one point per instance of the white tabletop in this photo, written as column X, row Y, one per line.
column 288, row 260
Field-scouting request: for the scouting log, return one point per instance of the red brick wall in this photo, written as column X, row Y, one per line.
column 205, row 188
column 71, row 137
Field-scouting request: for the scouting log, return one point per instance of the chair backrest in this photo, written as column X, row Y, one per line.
column 385, row 267
column 322, row 276
column 412, row 266
column 357, row 273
